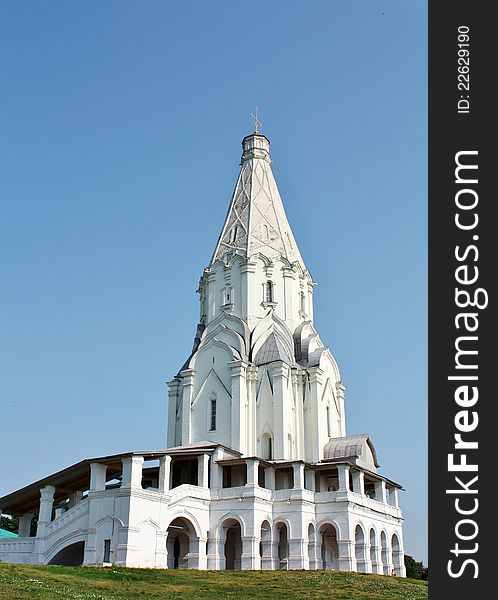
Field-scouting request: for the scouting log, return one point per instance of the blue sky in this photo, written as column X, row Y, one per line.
column 120, row 130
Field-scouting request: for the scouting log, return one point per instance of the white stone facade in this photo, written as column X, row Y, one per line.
column 258, row 472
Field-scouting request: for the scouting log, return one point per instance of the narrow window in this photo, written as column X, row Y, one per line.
column 269, row 291
column 213, row 414
column 329, row 422
column 265, row 232
column 233, row 234
column 107, row 551
column 303, row 303
column 270, row 450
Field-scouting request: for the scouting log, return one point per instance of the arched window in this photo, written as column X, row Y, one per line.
column 212, row 412
column 303, row 303
column 264, row 229
column 233, row 234
column 329, row 422
column 269, row 291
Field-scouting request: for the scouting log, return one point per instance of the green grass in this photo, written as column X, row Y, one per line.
column 27, row 582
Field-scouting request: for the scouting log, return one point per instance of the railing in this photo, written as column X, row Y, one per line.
column 242, row 491
column 77, row 511
column 185, row 490
column 23, row 544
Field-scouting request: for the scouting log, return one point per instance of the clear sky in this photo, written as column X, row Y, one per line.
column 120, row 131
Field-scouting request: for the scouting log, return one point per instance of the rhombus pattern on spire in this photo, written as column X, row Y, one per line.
column 256, row 221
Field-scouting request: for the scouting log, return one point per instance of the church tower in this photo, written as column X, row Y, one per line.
column 259, row 379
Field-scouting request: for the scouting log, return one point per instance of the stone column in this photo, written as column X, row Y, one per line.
column 187, row 391
column 376, row 562
column 25, row 524
column 270, row 478
column 45, row 513
column 280, row 372
column 298, row 475
column 197, row 557
column 380, row 491
column 132, row 472
column 298, row 392
column 164, row 474
column 393, row 496
column 317, row 442
column 213, row 553
column 341, row 389
column 239, row 393
column 343, row 475
column 216, row 470
column 252, row 378
column 203, row 470
column 358, row 478
column 345, row 555
column 250, row 553
column 75, row 498
column 298, row 553
column 309, row 476
column 174, row 411
column 252, row 472
column 97, row 477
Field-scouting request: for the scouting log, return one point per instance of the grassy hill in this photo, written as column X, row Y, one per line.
column 27, row 582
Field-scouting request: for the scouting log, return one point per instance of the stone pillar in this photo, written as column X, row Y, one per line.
column 317, row 441
column 358, row 478
column 252, row 472
column 298, row 475
column 25, row 524
column 345, row 555
column 174, row 412
column 343, row 475
column 393, row 496
column 203, row 470
column 298, row 553
column 309, row 476
column 187, row 391
column 45, row 513
column 132, row 472
column 270, row 478
column 213, row 553
column 197, row 557
column 164, row 474
column 280, row 372
column 239, row 397
column 75, row 498
column 216, row 469
column 340, row 390
column 97, row 476
column 298, row 392
column 376, row 562
column 251, row 429
column 250, row 554
column 380, row 491
column 314, row 552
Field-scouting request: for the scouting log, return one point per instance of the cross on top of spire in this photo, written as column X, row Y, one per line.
column 257, row 122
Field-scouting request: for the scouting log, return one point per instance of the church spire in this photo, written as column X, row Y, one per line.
column 256, row 221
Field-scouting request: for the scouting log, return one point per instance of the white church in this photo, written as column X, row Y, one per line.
column 258, row 472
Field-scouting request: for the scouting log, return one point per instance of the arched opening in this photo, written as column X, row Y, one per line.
column 396, row 556
column 265, row 546
column 181, row 533
column 359, row 549
column 267, row 446
column 283, row 545
column 384, row 553
column 373, row 551
column 313, row 563
column 70, row 556
column 233, row 545
column 329, row 549
column 269, row 291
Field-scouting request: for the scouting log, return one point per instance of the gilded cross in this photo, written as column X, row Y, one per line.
column 257, row 122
